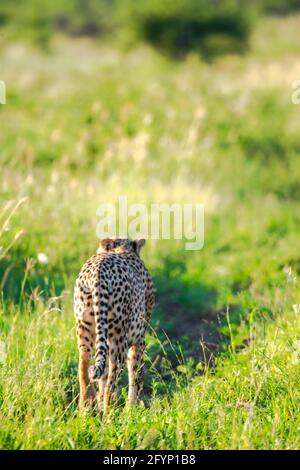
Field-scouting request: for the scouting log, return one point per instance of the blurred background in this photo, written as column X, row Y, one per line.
column 172, row 101
column 174, row 27
column 184, row 101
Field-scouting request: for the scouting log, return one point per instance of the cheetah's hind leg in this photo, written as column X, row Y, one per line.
column 135, row 363
column 85, row 330
column 101, row 385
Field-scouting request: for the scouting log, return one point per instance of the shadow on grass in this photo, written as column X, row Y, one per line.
column 182, row 338
column 22, row 277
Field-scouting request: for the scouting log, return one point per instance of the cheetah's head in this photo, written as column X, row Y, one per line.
column 121, row 245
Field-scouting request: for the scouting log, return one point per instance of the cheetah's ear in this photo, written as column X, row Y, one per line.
column 107, row 244
column 138, row 244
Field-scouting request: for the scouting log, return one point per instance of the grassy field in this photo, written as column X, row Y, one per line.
column 88, row 122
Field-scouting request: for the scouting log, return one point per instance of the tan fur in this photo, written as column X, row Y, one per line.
column 113, row 302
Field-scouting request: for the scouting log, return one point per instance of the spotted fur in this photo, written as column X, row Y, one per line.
column 113, row 302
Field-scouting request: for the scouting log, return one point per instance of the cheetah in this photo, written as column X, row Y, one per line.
column 113, row 302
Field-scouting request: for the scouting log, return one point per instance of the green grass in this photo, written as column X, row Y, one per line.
column 250, row 398
column 87, row 123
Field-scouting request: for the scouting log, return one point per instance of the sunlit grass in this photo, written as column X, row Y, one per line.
column 250, row 400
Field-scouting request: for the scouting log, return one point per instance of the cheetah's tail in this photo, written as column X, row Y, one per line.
column 100, row 305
